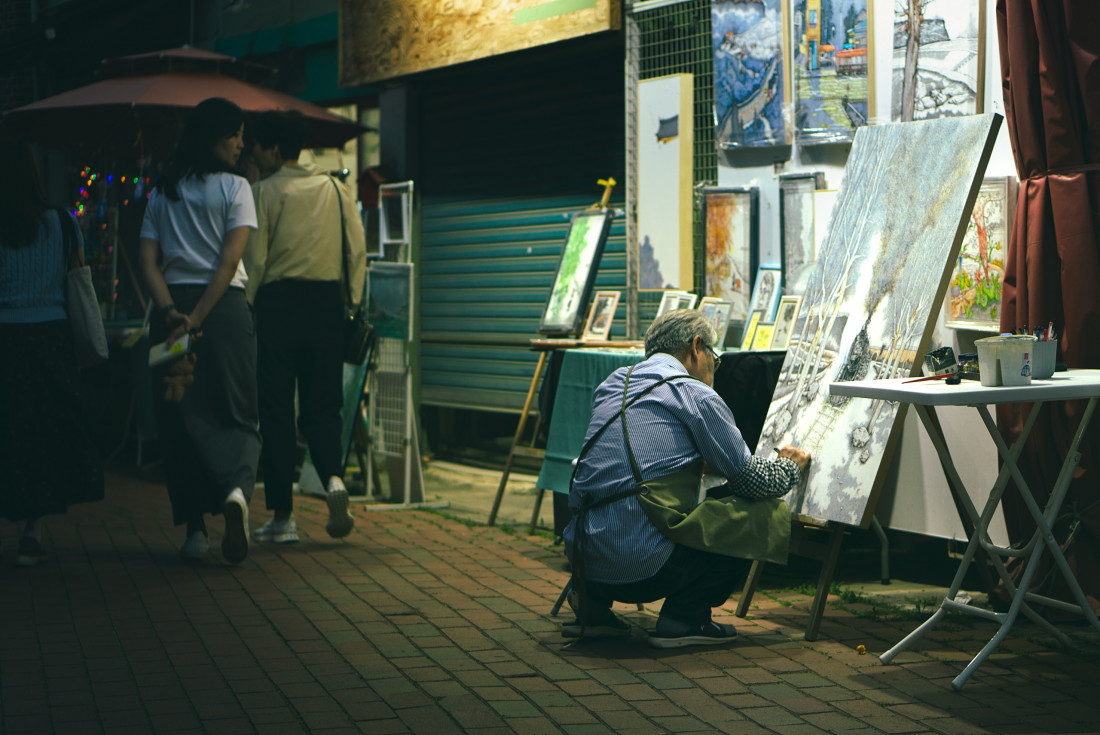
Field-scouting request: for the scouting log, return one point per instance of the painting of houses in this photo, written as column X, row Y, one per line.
column 749, row 72
column 870, row 303
column 665, row 148
column 731, row 246
column 938, row 71
column 830, row 70
column 974, row 295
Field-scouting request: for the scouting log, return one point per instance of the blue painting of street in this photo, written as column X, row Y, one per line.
column 748, row 73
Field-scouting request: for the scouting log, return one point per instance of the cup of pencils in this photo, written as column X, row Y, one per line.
column 1046, row 353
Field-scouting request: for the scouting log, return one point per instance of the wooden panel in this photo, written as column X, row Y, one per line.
column 390, row 38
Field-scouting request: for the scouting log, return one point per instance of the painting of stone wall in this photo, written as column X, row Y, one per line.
column 867, row 312
column 749, row 72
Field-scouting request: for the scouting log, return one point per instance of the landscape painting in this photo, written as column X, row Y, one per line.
column 830, row 70
column 389, row 299
column 580, row 259
column 974, row 296
column 665, row 147
column 938, row 71
column 796, row 233
column 731, row 246
column 870, row 303
column 749, row 73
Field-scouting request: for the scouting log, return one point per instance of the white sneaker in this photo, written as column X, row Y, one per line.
column 278, row 532
column 235, row 540
column 340, row 521
column 197, row 546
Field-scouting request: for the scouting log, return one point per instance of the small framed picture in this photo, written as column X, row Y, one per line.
column 598, row 327
column 767, row 291
column 687, row 301
column 762, row 340
column 670, row 301
column 784, row 321
column 750, row 330
column 721, row 321
column 395, row 209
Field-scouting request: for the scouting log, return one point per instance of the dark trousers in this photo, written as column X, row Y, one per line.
column 209, row 441
column 691, row 583
column 299, row 335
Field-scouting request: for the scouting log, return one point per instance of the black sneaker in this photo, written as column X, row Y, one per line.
column 709, row 633
column 609, row 627
column 30, row 552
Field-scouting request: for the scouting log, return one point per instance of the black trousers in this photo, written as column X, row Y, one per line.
column 691, row 583
column 209, row 441
column 299, row 339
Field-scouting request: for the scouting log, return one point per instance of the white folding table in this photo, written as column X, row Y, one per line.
column 925, row 395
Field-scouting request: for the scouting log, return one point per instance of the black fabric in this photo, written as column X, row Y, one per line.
column 49, row 457
column 746, row 381
column 299, row 343
column 691, row 582
column 209, row 441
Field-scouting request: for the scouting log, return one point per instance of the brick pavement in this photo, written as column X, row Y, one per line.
column 420, row 623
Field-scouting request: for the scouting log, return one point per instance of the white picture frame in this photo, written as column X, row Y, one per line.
column 785, row 317
column 600, row 316
column 767, row 289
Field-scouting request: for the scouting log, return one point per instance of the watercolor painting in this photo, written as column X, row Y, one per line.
column 974, row 296
column 938, row 71
column 871, row 303
column 830, row 70
column 665, row 148
column 749, row 73
column 389, row 291
column 580, row 259
column 601, row 315
column 731, row 245
column 796, row 231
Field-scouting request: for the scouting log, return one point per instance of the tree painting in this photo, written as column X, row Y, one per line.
column 937, row 58
column 730, row 247
column 974, row 294
column 573, row 282
column 869, row 302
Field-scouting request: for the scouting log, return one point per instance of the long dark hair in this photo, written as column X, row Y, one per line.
column 212, row 120
column 22, row 200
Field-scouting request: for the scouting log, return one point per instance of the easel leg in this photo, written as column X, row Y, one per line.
column 824, row 582
column 751, row 581
column 516, row 439
column 535, row 513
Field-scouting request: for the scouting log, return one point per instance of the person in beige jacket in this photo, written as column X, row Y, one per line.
column 295, row 283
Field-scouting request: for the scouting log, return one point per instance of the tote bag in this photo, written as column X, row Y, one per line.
column 89, row 336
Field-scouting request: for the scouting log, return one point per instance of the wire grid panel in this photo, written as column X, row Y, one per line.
column 675, row 39
column 389, row 398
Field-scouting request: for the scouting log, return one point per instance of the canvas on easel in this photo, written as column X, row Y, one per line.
column 576, row 275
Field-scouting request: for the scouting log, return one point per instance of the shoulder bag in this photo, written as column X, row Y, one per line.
column 85, row 321
column 358, row 332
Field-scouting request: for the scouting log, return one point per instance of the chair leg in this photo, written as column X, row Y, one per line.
column 561, row 598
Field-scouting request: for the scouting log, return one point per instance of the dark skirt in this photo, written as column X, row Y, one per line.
column 49, row 458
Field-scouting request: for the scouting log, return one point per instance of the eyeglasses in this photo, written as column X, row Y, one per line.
column 717, row 357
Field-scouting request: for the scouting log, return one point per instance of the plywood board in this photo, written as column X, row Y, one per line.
column 391, row 38
column 870, row 303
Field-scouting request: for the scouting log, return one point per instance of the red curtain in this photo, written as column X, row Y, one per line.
column 1050, row 64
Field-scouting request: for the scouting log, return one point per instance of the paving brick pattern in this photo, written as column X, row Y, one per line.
column 416, row 623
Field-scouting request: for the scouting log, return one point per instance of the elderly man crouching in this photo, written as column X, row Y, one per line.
column 639, row 533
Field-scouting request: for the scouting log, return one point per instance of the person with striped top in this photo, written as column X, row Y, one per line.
column 638, row 532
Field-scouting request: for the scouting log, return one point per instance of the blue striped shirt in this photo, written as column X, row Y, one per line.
column 671, row 427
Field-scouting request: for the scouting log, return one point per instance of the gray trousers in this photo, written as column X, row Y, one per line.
column 210, row 441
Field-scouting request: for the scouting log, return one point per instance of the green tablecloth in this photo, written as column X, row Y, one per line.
column 582, row 370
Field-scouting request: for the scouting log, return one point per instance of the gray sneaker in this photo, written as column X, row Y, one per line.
column 709, row 633
column 196, row 547
column 278, row 532
column 340, row 521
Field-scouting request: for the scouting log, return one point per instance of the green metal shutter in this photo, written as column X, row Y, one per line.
column 486, row 269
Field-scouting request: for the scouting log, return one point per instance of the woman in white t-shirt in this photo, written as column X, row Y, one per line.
column 196, row 227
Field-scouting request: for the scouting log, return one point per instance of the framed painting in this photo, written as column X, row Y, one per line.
column 868, row 307
column 686, row 301
column 389, row 299
column 784, row 321
column 831, row 71
column 750, row 63
column 762, row 340
column 796, row 228
column 395, row 213
column 670, row 301
column 721, row 321
column 601, row 315
column 750, row 329
column 939, row 71
column 580, row 259
column 372, row 228
column 732, row 232
column 974, row 294
column 665, row 141
column 767, row 291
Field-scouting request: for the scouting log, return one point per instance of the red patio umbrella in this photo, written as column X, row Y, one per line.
column 143, row 113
